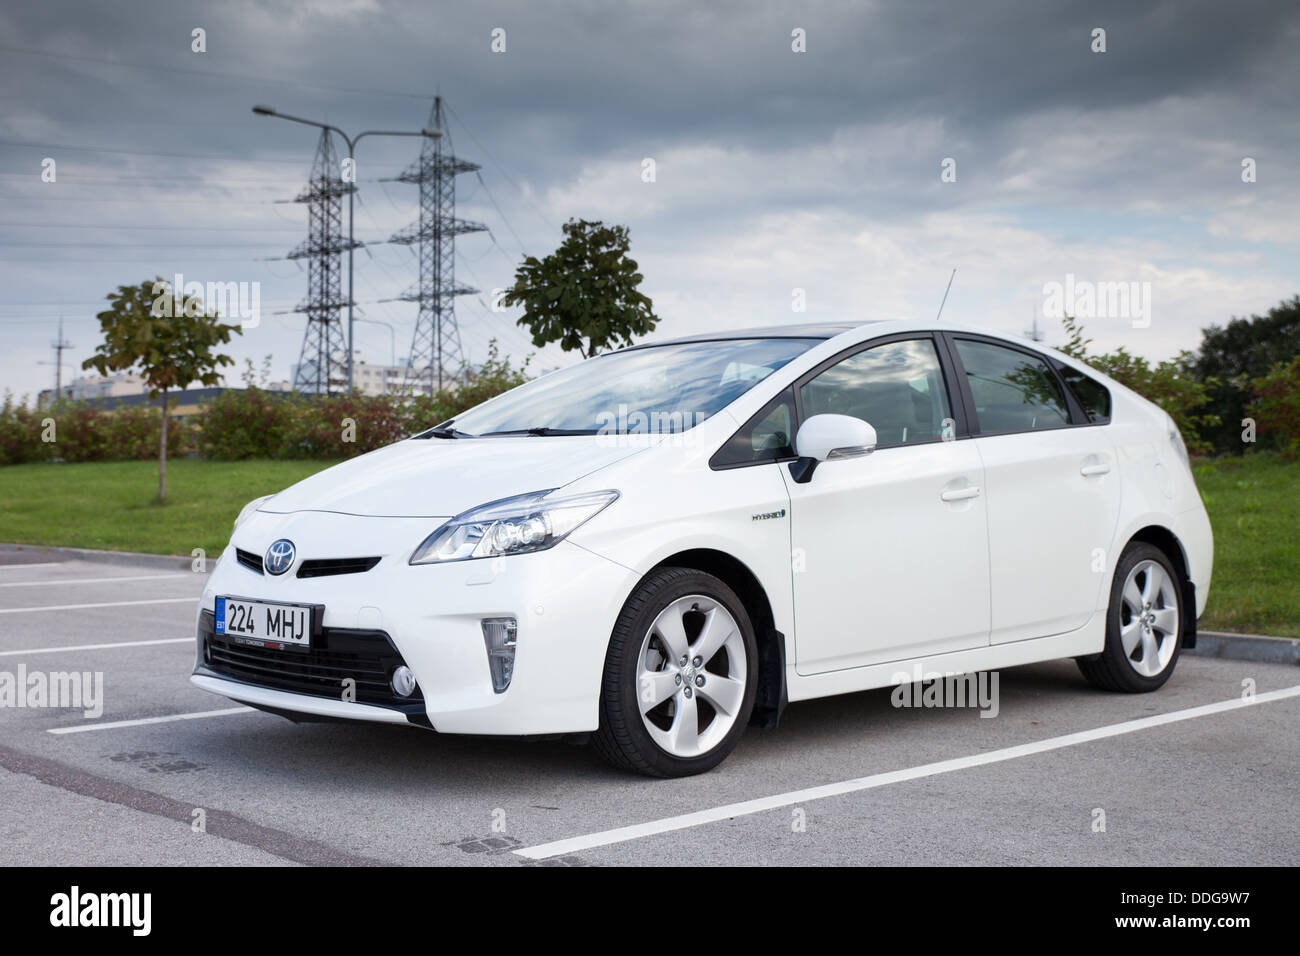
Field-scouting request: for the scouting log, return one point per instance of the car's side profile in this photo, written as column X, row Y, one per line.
column 663, row 545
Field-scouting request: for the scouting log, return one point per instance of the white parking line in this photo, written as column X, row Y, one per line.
column 113, row 724
column 95, row 647
column 669, row 824
column 131, row 577
column 78, row 607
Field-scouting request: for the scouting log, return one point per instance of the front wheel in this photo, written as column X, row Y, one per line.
column 680, row 676
column 1143, row 624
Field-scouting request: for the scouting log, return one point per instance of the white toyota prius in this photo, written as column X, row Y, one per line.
column 661, row 546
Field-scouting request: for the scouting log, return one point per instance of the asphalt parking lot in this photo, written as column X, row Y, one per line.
column 168, row 774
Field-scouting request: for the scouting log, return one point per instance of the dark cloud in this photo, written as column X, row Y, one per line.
column 1047, row 134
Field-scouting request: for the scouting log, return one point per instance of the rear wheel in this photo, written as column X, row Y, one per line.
column 1143, row 624
column 680, row 676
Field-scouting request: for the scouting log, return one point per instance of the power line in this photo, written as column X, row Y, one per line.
column 89, row 225
column 493, row 200
column 135, row 245
column 216, row 74
column 492, row 159
column 162, row 155
column 270, row 182
column 142, row 202
column 137, row 260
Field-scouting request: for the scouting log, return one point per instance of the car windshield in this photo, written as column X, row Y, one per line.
column 655, row 389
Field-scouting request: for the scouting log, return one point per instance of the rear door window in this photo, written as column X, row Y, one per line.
column 1093, row 397
column 1014, row 391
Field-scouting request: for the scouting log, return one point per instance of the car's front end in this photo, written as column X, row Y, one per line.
column 495, row 646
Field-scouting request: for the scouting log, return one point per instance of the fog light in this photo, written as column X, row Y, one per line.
column 403, row 682
column 500, row 634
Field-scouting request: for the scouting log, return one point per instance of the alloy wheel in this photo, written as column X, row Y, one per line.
column 1148, row 618
column 691, row 673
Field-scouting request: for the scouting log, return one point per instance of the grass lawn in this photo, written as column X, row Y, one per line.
column 110, row 504
column 1254, row 506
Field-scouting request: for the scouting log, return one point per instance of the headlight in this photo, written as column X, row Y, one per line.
column 249, row 508
column 531, row 522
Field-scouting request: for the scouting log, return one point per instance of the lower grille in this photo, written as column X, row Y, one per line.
column 367, row 657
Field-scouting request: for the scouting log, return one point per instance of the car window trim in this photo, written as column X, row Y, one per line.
column 1074, row 413
column 1085, row 421
column 961, row 400
column 749, row 422
column 959, row 427
column 948, row 370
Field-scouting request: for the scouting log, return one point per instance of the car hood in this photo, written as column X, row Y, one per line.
column 436, row 477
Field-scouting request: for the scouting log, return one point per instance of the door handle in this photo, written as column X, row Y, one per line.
column 961, row 494
column 1089, row 470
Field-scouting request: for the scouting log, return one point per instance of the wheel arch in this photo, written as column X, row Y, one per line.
column 770, row 697
column 1161, row 537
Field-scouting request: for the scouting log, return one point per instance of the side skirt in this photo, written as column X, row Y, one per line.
column 1089, row 639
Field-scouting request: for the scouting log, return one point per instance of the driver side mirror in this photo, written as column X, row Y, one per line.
column 828, row 438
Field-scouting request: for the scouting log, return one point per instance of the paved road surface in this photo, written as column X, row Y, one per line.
column 1214, row 786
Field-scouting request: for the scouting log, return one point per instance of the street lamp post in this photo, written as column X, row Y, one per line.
column 352, row 151
column 392, row 335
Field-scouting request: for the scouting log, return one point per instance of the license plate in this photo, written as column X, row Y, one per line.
column 264, row 624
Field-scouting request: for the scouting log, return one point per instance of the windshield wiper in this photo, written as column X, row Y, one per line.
column 443, row 431
column 545, row 431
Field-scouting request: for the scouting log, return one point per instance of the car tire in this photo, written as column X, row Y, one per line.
column 662, row 717
column 1143, row 639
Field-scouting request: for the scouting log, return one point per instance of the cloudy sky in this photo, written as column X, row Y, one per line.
column 774, row 170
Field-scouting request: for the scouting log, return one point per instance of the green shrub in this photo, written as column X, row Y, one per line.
column 251, row 422
column 246, row 423
column 83, row 432
column 1276, row 406
column 340, row 426
column 477, row 384
column 20, row 433
column 132, row 432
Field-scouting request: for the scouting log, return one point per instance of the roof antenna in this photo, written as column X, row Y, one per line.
column 945, row 295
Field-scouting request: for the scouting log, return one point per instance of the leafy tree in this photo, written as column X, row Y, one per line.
column 1276, row 405
column 1076, row 346
column 584, row 295
column 1231, row 357
column 168, row 338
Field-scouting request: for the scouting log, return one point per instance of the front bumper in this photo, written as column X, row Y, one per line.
column 565, row 600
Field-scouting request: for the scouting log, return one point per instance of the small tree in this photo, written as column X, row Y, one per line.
column 584, row 295
column 168, row 338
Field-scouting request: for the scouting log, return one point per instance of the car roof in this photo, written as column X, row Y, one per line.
column 869, row 328
column 805, row 330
